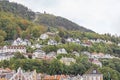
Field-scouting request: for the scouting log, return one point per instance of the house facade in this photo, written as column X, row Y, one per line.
column 71, row 40
column 39, row 54
column 96, row 62
column 55, row 77
column 20, row 41
column 76, row 53
column 12, row 49
column 20, row 75
column 61, row 51
column 52, row 42
column 5, row 56
column 44, row 36
column 93, row 74
column 100, row 55
column 86, row 43
column 67, row 61
column 6, row 74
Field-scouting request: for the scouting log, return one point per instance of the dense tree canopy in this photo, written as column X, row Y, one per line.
column 13, row 26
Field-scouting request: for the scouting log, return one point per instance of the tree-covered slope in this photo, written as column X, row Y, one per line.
column 57, row 21
column 13, row 26
column 45, row 19
column 17, row 9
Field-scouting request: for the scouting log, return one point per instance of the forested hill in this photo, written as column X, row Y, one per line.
column 57, row 21
column 45, row 19
column 16, row 9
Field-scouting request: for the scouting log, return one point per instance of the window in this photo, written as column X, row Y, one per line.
column 94, row 71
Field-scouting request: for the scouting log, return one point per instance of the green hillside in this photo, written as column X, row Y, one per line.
column 57, row 22
column 17, row 9
column 12, row 26
column 45, row 19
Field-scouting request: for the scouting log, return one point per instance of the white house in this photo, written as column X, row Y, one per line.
column 52, row 42
column 21, row 75
column 20, row 41
column 76, row 53
column 100, row 55
column 93, row 74
column 118, row 44
column 8, row 74
column 97, row 62
column 78, row 77
column 26, row 42
column 52, row 54
column 108, row 56
column 61, row 51
column 5, row 56
column 95, row 55
column 12, row 49
column 39, row 54
column 86, row 53
column 67, row 61
column 69, row 40
column 50, row 34
column 109, row 42
column 44, row 36
column 38, row 45
column 97, row 41
column 77, row 41
column 86, row 43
